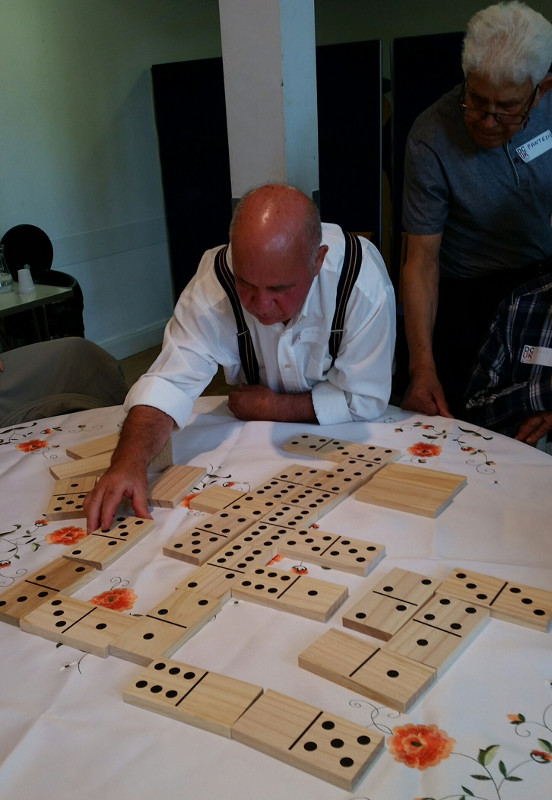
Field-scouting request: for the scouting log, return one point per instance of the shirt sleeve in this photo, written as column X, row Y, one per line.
column 425, row 193
column 197, row 339
column 358, row 385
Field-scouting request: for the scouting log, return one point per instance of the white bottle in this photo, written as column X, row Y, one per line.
column 6, row 280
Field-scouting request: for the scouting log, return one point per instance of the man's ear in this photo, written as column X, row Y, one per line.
column 321, row 255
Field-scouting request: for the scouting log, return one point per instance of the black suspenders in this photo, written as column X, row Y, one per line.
column 349, row 272
column 248, row 358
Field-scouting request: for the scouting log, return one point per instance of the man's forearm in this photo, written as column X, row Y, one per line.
column 420, row 308
column 145, row 431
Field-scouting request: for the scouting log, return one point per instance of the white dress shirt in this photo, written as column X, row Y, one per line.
column 292, row 358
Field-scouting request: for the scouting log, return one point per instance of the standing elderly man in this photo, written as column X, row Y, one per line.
column 477, row 201
column 278, row 284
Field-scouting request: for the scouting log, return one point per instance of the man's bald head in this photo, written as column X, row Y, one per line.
column 278, row 217
column 276, row 248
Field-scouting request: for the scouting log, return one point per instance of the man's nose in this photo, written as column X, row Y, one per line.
column 262, row 301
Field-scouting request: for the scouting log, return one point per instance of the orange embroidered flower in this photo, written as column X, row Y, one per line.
column 5, row 564
column 41, row 521
column 541, row 756
column 515, row 719
column 186, row 501
column 420, row 746
column 425, row 450
column 116, row 599
column 31, row 445
column 70, row 535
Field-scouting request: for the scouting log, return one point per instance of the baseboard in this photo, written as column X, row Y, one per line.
column 132, row 343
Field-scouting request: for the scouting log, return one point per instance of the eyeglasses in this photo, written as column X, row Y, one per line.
column 502, row 117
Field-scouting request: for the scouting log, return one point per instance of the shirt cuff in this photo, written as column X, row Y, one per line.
column 330, row 405
column 161, row 394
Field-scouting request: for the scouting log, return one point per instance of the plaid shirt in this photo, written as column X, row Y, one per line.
column 504, row 390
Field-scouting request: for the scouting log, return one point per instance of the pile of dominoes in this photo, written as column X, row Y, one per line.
column 422, row 624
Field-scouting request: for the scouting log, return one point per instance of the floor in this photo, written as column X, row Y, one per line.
column 136, row 365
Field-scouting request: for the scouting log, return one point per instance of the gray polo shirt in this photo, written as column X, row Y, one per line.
column 493, row 206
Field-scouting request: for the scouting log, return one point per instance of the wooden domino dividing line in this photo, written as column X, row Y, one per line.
column 381, row 674
column 76, row 623
column 166, row 627
column 391, row 602
column 101, row 548
column 342, row 553
column 439, row 632
column 310, row 444
column 506, row 600
column 192, row 695
column 59, row 575
column 214, row 498
column 68, row 496
column 297, row 594
column 322, row 744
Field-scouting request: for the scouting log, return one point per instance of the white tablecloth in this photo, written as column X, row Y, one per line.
column 66, row 733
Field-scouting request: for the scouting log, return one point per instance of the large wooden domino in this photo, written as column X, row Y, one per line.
column 512, row 602
column 294, row 517
column 439, row 632
column 17, row 601
column 297, row 594
column 310, row 444
column 390, row 603
column 84, row 483
column 165, row 627
column 331, row 550
column 374, row 672
column 59, row 575
column 413, row 489
column 346, row 477
column 104, row 444
column 66, row 506
column 101, row 548
column 76, row 623
column 174, row 484
column 62, row 575
column 212, row 581
column 189, row 694
column 79, row 467
column 322, row 744
column 68, row 496
column 194, row 547
column 214, row 498
column 227, row 523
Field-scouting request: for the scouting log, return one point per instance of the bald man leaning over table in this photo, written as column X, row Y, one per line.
column 286, row 267
column 477, row 200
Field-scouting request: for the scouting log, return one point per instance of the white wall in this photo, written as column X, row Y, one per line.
column 78, row 146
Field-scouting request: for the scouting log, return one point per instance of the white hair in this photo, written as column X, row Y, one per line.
column 508, row 42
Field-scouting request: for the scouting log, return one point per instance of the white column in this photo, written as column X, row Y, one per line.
column 268, row 50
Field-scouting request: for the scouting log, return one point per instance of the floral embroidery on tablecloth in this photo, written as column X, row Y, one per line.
column 468, row 439
column 424, row 746
column 121, row 599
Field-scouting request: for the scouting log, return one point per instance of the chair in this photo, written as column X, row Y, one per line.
column 59, row 376
column 28, row 244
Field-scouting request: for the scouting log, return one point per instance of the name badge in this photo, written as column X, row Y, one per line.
column 536, row 355
column 536, row 147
